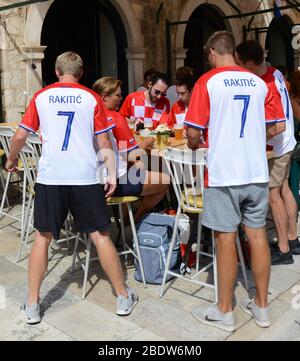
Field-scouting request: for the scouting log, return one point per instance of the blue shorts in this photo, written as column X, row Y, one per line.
column 131, row 183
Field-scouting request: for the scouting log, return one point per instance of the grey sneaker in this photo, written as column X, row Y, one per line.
column 32, row 313
column 259, row 314
column 214, row 317
column 125, row 305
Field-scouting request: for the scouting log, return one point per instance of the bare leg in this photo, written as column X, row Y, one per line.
column 280, row 218
column 155, row 187
column 227, row 268
column 110, row 261
column 291, row 209
column 260, row 263
column 38, row 263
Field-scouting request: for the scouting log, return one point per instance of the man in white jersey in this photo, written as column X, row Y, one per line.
column 250, row 55
column 234, row 107
column 68, row 116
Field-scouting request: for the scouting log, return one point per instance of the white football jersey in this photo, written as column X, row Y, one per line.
column 235, row 106
column 284, row 142
column 68, row 116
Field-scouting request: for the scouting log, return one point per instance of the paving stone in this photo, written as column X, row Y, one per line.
column 15, row 328
column 86, row 321
column 10, row 274
column 173, row 323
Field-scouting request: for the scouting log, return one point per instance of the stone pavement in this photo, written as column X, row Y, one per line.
column 67, row 317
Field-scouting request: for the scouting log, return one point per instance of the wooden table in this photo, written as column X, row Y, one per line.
column 10, row 124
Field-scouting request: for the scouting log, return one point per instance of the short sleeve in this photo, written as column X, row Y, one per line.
column 125, row 110
column 123, row 135
column 31, row 121
column 199, row 108
column 102, row 123
column 273, row 106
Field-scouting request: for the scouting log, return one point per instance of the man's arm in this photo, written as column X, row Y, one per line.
column 275, row 129
column 108, row 156
column 194, row 137
column 296, row 108
column 16, row 146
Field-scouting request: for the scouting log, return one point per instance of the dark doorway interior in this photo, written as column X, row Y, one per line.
column 197, row 34
column 279, row 43
column 93, row 29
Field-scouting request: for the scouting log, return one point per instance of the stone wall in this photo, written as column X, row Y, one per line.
column 12, row 65
column 17, row 77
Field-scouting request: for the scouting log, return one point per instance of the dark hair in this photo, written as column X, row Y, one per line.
column 250, row 50
column 283, row 69
column 295, row 84
column 159, row 76
column 183, row 71
column 149, row 73
column 189, row 81
column 222, row 42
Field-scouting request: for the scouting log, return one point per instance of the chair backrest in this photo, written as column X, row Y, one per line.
column 186, row 168
column 6, row 134
column 35, row 142
column 30, row 163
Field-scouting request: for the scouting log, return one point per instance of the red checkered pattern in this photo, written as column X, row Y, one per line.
column 177, row 114
column 136, row 105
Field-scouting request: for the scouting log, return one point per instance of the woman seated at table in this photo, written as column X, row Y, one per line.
column 135, row 181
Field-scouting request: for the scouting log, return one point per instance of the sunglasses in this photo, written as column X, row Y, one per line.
column 158, row 92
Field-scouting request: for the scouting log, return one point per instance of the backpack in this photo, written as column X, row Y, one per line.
column 154, row 234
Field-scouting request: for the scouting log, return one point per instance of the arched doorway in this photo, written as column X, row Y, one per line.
column 197, row 33
column 279, row 43
column 94, row 30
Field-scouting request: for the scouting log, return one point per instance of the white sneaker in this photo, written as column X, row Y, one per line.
column 32, row 313
column 126, row 305
column 214, row 317
column 259, row 314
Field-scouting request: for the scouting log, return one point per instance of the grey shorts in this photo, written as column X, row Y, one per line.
column 227, row 207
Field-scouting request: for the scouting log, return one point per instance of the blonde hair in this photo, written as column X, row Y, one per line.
column 106, row 85
column 222, row 42
column 69, row 63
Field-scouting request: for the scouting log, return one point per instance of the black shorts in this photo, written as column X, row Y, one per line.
column 131, row 183
column 86, row 203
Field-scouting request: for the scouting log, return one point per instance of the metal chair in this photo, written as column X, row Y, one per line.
column 135, row 251
column 6, row 134
column 2, row 153
column 186, row 169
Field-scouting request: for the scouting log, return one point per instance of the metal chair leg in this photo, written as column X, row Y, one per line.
column 75, row 252
column 215, row 268
column 136, row 243
column 87, row 263
column 123, row 231
column 170, row 251
column 199, row 230
column 242, row 262
column 3, row 186
column 4, row 194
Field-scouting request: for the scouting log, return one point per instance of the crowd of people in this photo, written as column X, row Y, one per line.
column 235, row 110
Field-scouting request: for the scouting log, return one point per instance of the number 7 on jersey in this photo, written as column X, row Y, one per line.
column 246, row 99
column 70, row 116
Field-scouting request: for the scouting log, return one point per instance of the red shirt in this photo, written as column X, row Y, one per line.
column 136, row 105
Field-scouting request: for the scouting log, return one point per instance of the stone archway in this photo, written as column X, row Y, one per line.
column 232, row 25
column 35, row 52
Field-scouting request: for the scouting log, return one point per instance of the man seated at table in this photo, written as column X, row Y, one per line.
column 136, row 181
column 184, row 88
column 148, row 106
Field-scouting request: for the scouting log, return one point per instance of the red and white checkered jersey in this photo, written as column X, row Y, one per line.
column 284, row 142
column 235, row 106
column 136, row 105
column 122, row 141
column 68, row 116
column 177, row 114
